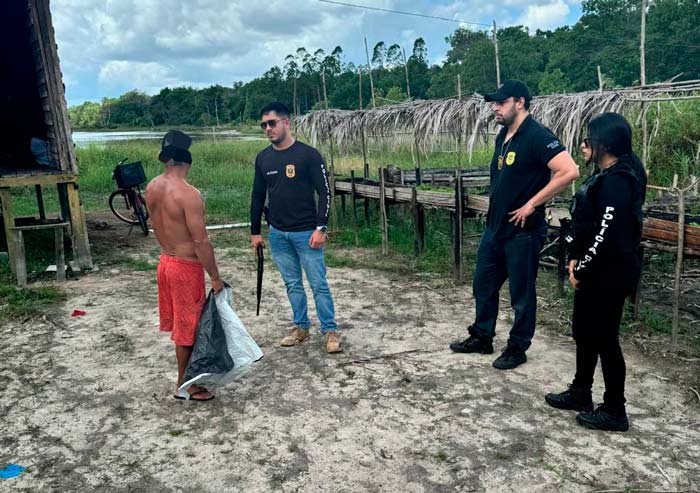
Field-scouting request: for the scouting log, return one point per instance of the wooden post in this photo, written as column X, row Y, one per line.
column 600, row 80
column 679, row 268
column 383, row 220
column 371, row 82
column 60, row 257
column 323, row 80
column 359, row 74
column 458, row 224
column 20, row 260
column 495, row 46
column 9, row 223
column 79, row 237
column 420, row 215
column 331, row 181
column 365, row 170
column 643, row 82
column 459, row 87
column 40, row 202
column 354, row 207
column 405, row 67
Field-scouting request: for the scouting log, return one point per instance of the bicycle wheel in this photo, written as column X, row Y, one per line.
column 121, row 206
column 141, row 212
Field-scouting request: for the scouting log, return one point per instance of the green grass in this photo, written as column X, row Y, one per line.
column 22, row 303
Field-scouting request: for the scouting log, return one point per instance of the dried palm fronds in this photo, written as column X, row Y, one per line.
column 429, row 122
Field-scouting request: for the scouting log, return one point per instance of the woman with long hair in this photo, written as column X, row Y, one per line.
column 604, row 268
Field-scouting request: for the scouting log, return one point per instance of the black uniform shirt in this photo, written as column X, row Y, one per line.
column 518, row 171
column 289, row 178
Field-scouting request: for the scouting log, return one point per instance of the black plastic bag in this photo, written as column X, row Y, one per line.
column 210, row 354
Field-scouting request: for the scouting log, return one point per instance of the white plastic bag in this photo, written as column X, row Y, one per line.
column 209, row 364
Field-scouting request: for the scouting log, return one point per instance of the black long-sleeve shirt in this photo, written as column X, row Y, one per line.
column 289, row 178
column 617, row 231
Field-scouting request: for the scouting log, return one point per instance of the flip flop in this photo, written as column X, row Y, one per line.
column 183, row 395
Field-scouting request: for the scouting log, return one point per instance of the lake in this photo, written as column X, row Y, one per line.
column 82, row 139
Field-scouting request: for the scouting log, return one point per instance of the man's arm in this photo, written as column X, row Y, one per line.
column 319, row 180
column 257, row 204
column 194, row 218
column 564, row 171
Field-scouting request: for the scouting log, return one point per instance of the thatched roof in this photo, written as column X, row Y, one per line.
column 469, row 118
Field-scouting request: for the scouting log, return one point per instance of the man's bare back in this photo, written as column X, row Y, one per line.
column 167, row 198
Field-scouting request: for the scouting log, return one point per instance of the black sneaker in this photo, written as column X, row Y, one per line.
column 472, row 345
column 510, row 358
column 573, row 398
column 604, row 418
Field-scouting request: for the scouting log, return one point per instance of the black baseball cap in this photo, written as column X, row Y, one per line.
column 510, row 88
column 175, row 145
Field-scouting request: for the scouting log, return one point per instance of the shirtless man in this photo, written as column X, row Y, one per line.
column 176, row 211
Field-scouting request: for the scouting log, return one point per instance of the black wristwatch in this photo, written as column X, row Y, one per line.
column 322, row 229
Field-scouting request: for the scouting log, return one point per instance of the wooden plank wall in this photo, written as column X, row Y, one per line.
column 51, row 89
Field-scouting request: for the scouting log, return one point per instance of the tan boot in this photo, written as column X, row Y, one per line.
column 296, row 336
column 333, row 342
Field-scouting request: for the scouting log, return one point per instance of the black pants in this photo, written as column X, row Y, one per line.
column 517, row 259
column 596, row 329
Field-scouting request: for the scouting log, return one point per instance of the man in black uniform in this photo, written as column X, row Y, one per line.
column 288, row 172
column 529, row 167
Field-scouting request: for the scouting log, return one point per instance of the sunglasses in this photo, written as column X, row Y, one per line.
column 269, row 123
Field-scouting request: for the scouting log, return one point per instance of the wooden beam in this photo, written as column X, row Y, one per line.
column 9, row 223
column 27, row 180
column 79, row 236
column 384, row 221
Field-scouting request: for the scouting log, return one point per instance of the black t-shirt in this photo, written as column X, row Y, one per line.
column 289, row 179
column 518, row 171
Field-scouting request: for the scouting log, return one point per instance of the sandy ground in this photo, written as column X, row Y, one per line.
column 86, row 401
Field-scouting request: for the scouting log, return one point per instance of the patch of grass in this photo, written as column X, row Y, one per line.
column 175, row 433
column 21, row 303
column 138, row 264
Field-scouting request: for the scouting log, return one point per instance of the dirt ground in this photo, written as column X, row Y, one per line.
column 86, row 401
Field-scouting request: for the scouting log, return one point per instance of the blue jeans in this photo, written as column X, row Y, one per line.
column 517, row 259
column 291, row 252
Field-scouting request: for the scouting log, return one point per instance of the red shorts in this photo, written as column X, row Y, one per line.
column 181, row 297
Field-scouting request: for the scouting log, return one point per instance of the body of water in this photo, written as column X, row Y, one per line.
column 82, row 139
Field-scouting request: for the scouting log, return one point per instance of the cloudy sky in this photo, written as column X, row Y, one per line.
column 108, row 47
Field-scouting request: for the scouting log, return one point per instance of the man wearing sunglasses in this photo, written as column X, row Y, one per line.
column 288, row 172
column 529, row 167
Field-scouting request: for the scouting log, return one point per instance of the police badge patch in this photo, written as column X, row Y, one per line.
column 510, row 158
column 291, row 171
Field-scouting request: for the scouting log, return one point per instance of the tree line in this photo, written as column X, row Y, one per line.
column 556, row 61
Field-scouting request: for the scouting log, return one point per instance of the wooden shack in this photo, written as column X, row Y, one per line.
column 36, row 148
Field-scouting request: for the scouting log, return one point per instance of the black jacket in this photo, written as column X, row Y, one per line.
column 607, row 220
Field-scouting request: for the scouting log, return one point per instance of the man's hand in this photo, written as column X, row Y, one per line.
column 575, row 283
column 256, row 240
column 318, row 238
column 572, row 265
column 217, row 285
column 520, row 215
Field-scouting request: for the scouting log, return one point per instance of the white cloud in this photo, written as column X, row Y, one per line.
column 545, row 16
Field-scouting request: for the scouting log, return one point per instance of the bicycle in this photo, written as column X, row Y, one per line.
column 126, row 202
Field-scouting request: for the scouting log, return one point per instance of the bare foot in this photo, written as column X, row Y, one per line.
column 196, row 393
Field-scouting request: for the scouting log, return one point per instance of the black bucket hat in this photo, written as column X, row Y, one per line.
column 510, row 88
column 175, row 145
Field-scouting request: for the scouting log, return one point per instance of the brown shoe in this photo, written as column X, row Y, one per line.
column 333, row 342
column 296, row 336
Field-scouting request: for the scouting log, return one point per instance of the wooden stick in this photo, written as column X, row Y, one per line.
column 679, row 268
column 405, row 66
column 371, row 81
column 384, row 222
column 495, row 46
column 354, row 208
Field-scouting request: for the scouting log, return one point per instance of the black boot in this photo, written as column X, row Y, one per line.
column 573, row 398
column 472, row 345
column 511, row 357
column 605, row 418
